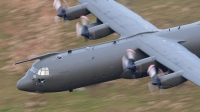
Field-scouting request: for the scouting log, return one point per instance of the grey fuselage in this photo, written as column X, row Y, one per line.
column 103, row 62
column 98, row 63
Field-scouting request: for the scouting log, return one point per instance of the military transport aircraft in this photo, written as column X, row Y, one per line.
column 169, row 56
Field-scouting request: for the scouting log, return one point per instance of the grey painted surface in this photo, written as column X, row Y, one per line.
column 176, row 49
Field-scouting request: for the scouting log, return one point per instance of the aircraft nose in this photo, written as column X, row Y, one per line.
column 25, row 85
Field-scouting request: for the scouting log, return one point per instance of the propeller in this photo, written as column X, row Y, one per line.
column 155, row 74
column 57, row 4
column 61, row 8
column 82, row 29
column 129, row 61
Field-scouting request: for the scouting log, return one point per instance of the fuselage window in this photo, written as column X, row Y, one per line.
column 59, row 57
column 43, row 71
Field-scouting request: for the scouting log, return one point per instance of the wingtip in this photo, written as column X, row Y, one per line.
column 17, row 63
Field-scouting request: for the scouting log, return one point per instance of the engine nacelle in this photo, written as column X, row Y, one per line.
column 171, row 80
column 93, row 25
column 76, row 12
column 97, row 32
column 143, row 64
column 141, row 67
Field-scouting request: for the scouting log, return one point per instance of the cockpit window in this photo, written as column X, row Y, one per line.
column 34, row 70
column 41, row 71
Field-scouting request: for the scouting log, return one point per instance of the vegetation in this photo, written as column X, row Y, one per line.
column 27, row 29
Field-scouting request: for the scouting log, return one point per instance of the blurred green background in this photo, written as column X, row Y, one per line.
column 27, row 29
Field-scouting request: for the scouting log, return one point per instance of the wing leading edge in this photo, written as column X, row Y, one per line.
column 120, row 19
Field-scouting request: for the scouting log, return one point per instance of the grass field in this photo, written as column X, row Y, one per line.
column 27, row 29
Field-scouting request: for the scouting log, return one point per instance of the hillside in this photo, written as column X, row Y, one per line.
column 27, row 29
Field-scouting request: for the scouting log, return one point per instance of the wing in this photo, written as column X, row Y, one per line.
column 172, row 55
column 120, row 19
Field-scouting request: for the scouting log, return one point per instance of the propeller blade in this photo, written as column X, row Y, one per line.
column 160, row 91
column 130, row 54
column 84, row 20
column 78, row 29
column 160, row 73
column 151, row 87
column 151, row 71
column 56, row 4
column 86, row 40
column 66, row 6
column 125, row 63
column 56, row 19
